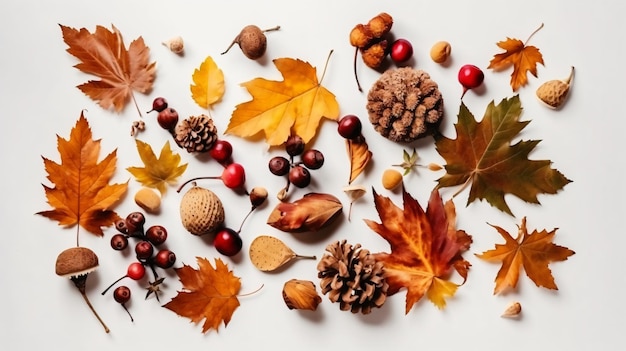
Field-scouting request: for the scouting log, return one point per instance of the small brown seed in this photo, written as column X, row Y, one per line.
column 440, row 52
column 391, row 179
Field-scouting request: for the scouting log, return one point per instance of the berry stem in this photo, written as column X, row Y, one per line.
column 356, row 76
column 271, row 29
column 127, row 311
column 115, row 282
column 245, row 218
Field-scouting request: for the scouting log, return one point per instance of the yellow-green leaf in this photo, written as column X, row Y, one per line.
column 208, row 84
column 158, row 172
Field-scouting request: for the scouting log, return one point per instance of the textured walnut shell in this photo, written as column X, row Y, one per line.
column 201, row 211
column 76, row 261
column 553, row 93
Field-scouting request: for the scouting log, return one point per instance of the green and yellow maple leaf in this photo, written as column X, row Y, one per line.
column 82, row 194
column 158, row 172
column 482, row 156
column 282, row 108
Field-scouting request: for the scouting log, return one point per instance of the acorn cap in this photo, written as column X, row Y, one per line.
column 76, row 261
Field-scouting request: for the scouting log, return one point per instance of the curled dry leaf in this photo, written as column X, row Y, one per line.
column 314, row 211
column 301, row 295
column 360, row 156
column 268, row 253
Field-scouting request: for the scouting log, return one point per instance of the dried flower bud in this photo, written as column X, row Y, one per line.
column 258, row 195
column 175, row 44
column 301, row 295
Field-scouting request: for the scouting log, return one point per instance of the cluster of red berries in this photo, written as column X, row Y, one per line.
column 297, row 171
column 147, row 240
column 167, row 117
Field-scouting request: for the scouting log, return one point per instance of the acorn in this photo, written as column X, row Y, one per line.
column 201, row 211
column 554, row 92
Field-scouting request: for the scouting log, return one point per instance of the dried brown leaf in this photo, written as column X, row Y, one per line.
column 314, row 211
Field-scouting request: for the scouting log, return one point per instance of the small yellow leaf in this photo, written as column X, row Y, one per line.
column 439, row 290
column 160, row 172
column 209, row 84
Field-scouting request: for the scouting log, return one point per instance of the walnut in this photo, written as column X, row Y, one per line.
column 405, row 104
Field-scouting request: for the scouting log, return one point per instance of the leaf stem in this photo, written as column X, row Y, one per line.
column 467, row 182
column 253, row 292
column 326, row 66
column 132, row 95
column 533, row 33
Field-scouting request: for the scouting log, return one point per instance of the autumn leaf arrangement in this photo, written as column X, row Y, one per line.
column 425, row 245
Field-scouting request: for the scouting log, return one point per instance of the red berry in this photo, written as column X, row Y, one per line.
column 279, row 165
column 294, row 145
column 144, row 250
column 158, row 104
column 156, row 234
column 470, row 77
column 227, row 242
column 136, row 271
column 120, row 225
column 349, row 127
column 221, row 151
column 164, row 259
column 300, row 176
column 121, row 294
column 234, row 176
column 401, row 51
column 313, row 159
column 168, row 118
column 119, row 242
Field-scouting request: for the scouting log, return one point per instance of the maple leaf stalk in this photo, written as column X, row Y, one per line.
column 532, row 34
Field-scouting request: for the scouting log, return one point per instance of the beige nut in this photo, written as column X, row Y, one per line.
column 201, row 211
column 148, row 199
column 440, row 51
column 175, row 44
column 391, row 179
column 554, row 92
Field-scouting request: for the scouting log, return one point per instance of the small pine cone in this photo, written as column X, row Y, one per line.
column 405, row 104
column 196, row 133
column 352, row 276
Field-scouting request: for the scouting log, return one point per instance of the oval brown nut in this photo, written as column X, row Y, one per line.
column 201, row 211
column 440, row 51
column 148, row 199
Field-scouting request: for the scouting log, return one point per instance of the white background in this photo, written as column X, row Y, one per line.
column 584, row 140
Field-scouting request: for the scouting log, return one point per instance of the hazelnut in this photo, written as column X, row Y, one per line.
column 440, row 51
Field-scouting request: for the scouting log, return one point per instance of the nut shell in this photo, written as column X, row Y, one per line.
column 553, row 93
column 252, row 42
column 76, row 261
column 440, row 51
column 201, row 211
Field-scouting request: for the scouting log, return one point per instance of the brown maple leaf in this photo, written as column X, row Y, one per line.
column 209, row 293
column 482, row 155
column 532, row 251
column 104, row 55
column 282, row 108
column 426, row 247
column 524, row 58
column 82, row 194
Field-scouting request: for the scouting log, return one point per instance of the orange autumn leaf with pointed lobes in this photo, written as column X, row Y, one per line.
column 208, row 294
column 121, row 71
column 278, row 109
column 82, row 194
column 531, row 251
column 524, row 58
column 426, row 248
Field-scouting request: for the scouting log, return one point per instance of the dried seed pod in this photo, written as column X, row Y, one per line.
column 268, row 253
column 201, row 211
column 175, row 44
column 554, row 92
column 513, row 310
column 374, row 55
column 252, row 41
column 301, row 295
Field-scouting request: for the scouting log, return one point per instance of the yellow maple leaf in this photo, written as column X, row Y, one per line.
column 281, row 108
column 208, row 87
column 158, row 172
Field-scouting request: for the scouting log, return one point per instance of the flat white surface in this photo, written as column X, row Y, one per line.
column 584, row 140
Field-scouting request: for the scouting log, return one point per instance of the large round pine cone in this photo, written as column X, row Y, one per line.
column 405, row 104
column 352, row 276
column 196, row 133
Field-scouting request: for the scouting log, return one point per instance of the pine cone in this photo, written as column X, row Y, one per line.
column 196, row 133
column 352, row 276
column 404, row 105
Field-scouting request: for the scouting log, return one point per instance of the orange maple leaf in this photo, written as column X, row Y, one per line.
column 522, row 57
column 426, row 247
column 209, row 293
column 532, row 251
column 281, row 108
column 104, row 54
column 82, row 194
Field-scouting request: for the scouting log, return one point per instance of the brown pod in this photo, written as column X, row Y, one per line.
column 201, row 211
